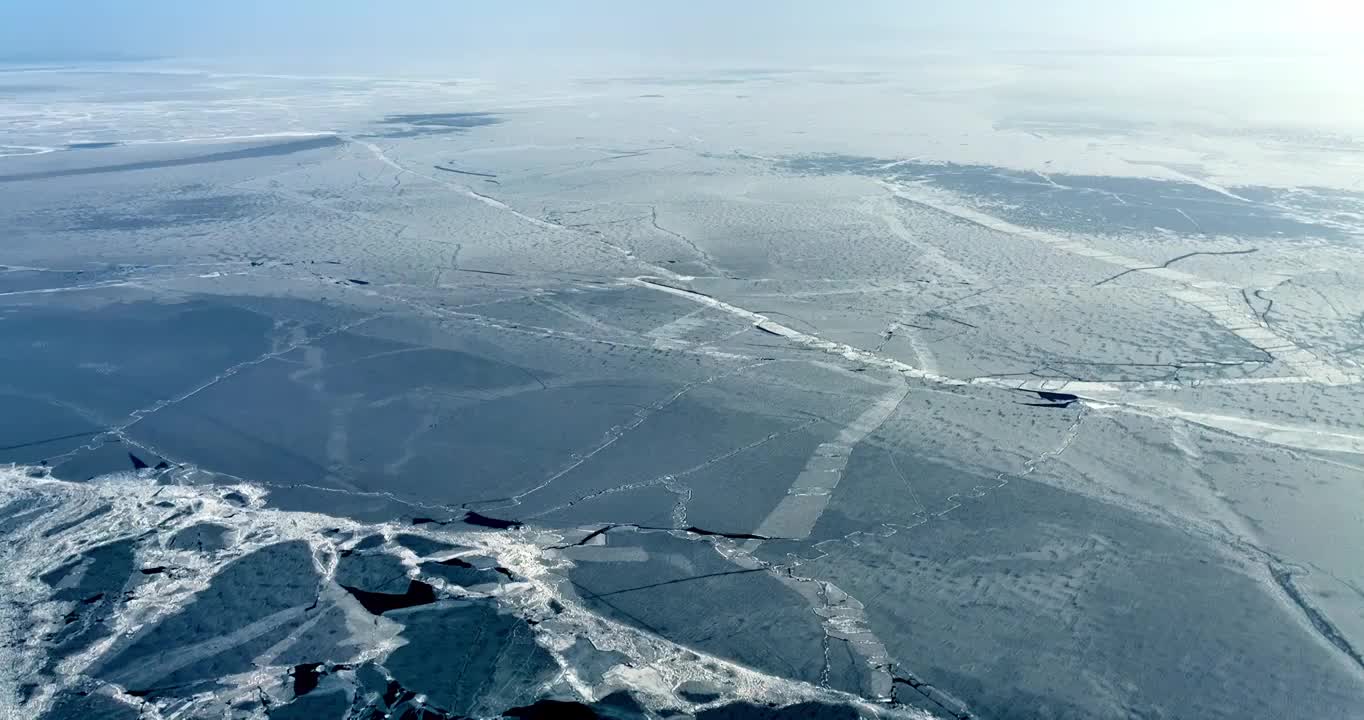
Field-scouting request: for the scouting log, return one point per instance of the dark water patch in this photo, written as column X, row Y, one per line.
column 91, row 145
column 306, row 676
column 138, row 463
column 418, row 593
column 272, row 150
column 552, row 710
column 481, row 520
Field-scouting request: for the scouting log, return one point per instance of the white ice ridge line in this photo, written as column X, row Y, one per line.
column 872, row 359
column 795, row 516
column 1104, row 393
column 383, row 157
column 1193, row 290
column 1286, row 435
column 29, row 549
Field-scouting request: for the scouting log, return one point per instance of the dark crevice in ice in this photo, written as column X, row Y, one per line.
column 731, row 535
column 705, row 257
column 138, row 463
column 948, row 318
column 1320, row 622
column 1174, row 260
column 585, row 539
column 44, row 441
column 948, row 704
column 418, row 593
column 457, row 171
column 485, row 272
column 691, row 530
column 1261, row 315
column 473, row 518
column 743, row 571
column 660, row 283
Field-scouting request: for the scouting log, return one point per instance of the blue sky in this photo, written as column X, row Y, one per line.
column 753, row 30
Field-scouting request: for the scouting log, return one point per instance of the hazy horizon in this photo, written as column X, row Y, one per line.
column 427, row 32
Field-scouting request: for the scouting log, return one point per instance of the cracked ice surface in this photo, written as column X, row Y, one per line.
column 489, row 404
